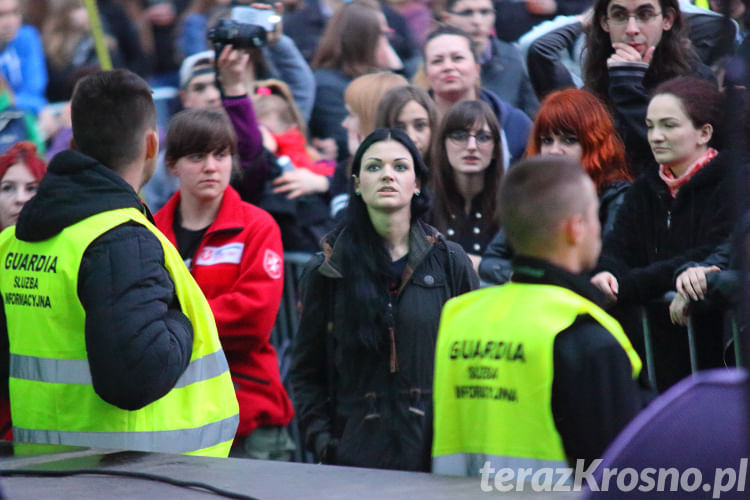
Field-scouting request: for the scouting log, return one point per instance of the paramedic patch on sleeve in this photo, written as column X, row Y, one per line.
column 273, row 264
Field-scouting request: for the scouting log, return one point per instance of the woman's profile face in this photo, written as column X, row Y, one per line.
column 415, row 121
column 674, row 140
column 17, row 187
column 353, row 130
column 450, row 66
column 387, row 179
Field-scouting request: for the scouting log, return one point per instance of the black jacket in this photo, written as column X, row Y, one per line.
column 350, row 398
column 593, row 392
column 655, row 234
column 138, row 340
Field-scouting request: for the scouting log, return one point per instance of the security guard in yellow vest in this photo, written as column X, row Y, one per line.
column 111, row 342
column 534, row 373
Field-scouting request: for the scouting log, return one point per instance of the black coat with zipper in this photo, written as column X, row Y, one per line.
column 654, row 234
column 353, row 407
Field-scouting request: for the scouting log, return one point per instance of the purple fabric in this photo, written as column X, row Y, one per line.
column 249, row 145
column 60, row 142
column 419, row 18
column 702, row 422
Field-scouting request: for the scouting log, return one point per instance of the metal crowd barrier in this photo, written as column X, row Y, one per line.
column 729, row 322
column 283, row 333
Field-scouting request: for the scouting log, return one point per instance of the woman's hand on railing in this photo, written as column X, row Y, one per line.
column 692, row 281
column 679, row 309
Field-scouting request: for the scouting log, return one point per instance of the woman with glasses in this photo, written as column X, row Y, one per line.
column 467, row 171
column 362, row 362
column 452, row 72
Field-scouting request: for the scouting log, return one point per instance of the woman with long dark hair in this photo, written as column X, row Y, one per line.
column 467, row 168
column 362, row 364
column 677, row 211
column 572, row 123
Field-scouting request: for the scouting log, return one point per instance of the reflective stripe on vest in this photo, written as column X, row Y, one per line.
column 177, row 441
column 469, row 464
column 52, row 397
column 76, row 371
column 494, row 372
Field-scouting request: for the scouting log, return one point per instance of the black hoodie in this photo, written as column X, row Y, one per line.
column 137, row 339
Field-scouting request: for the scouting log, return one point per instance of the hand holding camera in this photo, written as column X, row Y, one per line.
column 231, row 66
column 248, row 28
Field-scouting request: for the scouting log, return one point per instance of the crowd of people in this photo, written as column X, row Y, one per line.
column 407, row 148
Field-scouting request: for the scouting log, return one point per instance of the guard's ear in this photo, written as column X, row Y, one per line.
column 152, row 144
column 574, row 228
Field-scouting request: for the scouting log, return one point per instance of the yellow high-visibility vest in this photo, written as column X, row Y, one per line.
column 494, row 372
column 51, row 392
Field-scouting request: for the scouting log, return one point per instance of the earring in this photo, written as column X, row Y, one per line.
column 358, row 193
column 417, row 192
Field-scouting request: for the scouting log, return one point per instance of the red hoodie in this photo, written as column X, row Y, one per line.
column 239, row 266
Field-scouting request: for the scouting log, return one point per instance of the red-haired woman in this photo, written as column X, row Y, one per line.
column 21, row 170
column 574, row 123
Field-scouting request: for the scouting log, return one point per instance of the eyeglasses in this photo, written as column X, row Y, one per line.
column 462, row 137
column 642, row 17
column 471, row 12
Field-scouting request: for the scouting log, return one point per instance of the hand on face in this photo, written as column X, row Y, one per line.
column 627, row 53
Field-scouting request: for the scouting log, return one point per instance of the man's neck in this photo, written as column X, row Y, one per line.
column 133, row 175
column 567, row 259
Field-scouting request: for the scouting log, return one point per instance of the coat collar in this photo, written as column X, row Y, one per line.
column 541, row 272
column 421, row 239
column 229, row 218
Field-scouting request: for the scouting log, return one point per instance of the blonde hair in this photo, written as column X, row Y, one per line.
column 277, row 98
column 363, row 95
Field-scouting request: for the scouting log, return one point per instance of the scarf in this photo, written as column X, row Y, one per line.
column 675, row 183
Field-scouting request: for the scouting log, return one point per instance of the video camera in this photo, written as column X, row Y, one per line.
column 247, row 28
